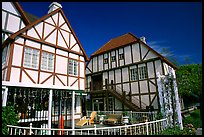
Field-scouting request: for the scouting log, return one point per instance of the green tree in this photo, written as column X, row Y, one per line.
column 9, row 117
column 189, row 79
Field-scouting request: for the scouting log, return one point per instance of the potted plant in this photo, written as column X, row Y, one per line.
column 125, row 117
column 24, row 112
column 101, row 117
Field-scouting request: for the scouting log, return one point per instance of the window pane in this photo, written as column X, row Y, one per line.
column 133, row 74
column 50, row 61
column 70, row 66
column 142, row 72
column 27, row 57
column 35, row 58
column 75, row 68
column 44, row 60
column 47, row 62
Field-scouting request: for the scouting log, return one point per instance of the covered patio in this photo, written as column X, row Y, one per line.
column 42, row 106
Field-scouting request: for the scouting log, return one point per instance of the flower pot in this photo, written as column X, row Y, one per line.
column 125, row 119
column 101, row 118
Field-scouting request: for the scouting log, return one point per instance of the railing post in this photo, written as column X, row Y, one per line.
column 30, row 128
column 125, row 129
column 73, row 113
column 147, row 128
column 95, row 129
column 50, row 112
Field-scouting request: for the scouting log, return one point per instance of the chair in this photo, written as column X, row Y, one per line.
column 113, row 119
column 87, row 120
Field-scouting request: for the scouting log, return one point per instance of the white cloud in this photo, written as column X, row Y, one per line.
column 160, row 47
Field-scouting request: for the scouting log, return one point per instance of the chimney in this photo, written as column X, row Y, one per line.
column 53, row 6
column 143, row 39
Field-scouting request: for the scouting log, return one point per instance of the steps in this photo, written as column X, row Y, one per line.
column 133, row 104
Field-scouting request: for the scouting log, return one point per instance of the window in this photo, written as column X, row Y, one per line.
column 142, row 72
column 113, row 58
column 133, row 74
column 121, row 56
column 105, row 60
column 47, row 62
column 31, row 58
column 73, row 67
column 4, row 53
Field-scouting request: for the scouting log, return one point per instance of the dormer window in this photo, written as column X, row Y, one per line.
column 113, row 58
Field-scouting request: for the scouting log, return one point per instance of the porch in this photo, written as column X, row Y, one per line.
column 42, row 105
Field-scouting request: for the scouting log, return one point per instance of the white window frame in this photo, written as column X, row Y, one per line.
column 105, row 60
column 73, row 67
column 113, row 58
column 133, row 74
column 47, row 61
column 142, row 72
column 31, row 58
column 121, row 56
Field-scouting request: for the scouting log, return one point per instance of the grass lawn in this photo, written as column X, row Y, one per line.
column 190, row 124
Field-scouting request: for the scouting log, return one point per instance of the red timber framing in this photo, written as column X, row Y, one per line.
column 63, row 31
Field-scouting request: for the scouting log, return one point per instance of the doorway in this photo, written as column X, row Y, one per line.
column 97, row 82
column 98, row 104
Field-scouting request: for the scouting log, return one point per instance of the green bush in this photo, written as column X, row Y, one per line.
column 176, row 131
column 194, row 119
column 9, row 117
column 190, row 124
column 172, row 131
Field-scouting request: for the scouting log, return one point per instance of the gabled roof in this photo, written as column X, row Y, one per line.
column 116, row 43
column 14, row 35
column 125, row 40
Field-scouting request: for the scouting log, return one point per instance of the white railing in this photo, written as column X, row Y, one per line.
column 146, row 128
column 133, row 115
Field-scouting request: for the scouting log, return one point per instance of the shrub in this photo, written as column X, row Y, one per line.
column 194, row 119
column 9, row 117
column 190, row 124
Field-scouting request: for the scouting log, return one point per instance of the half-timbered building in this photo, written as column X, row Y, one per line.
column 121, row 75
column 43, row 64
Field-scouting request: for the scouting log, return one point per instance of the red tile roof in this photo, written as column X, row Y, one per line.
column 116, row 43
column 124, row 40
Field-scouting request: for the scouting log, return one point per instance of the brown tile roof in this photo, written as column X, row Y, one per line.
column 124, row 40
column 116, row 43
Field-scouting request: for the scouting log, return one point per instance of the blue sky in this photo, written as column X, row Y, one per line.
column 176, row 26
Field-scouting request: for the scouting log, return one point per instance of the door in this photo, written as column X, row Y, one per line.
column 97, row 82
column 98, row 105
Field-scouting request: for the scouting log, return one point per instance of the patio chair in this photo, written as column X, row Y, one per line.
column 113, row 119
column 87, row 120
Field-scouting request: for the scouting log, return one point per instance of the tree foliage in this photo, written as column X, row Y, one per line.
column 9, row 117
column 189, row 79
